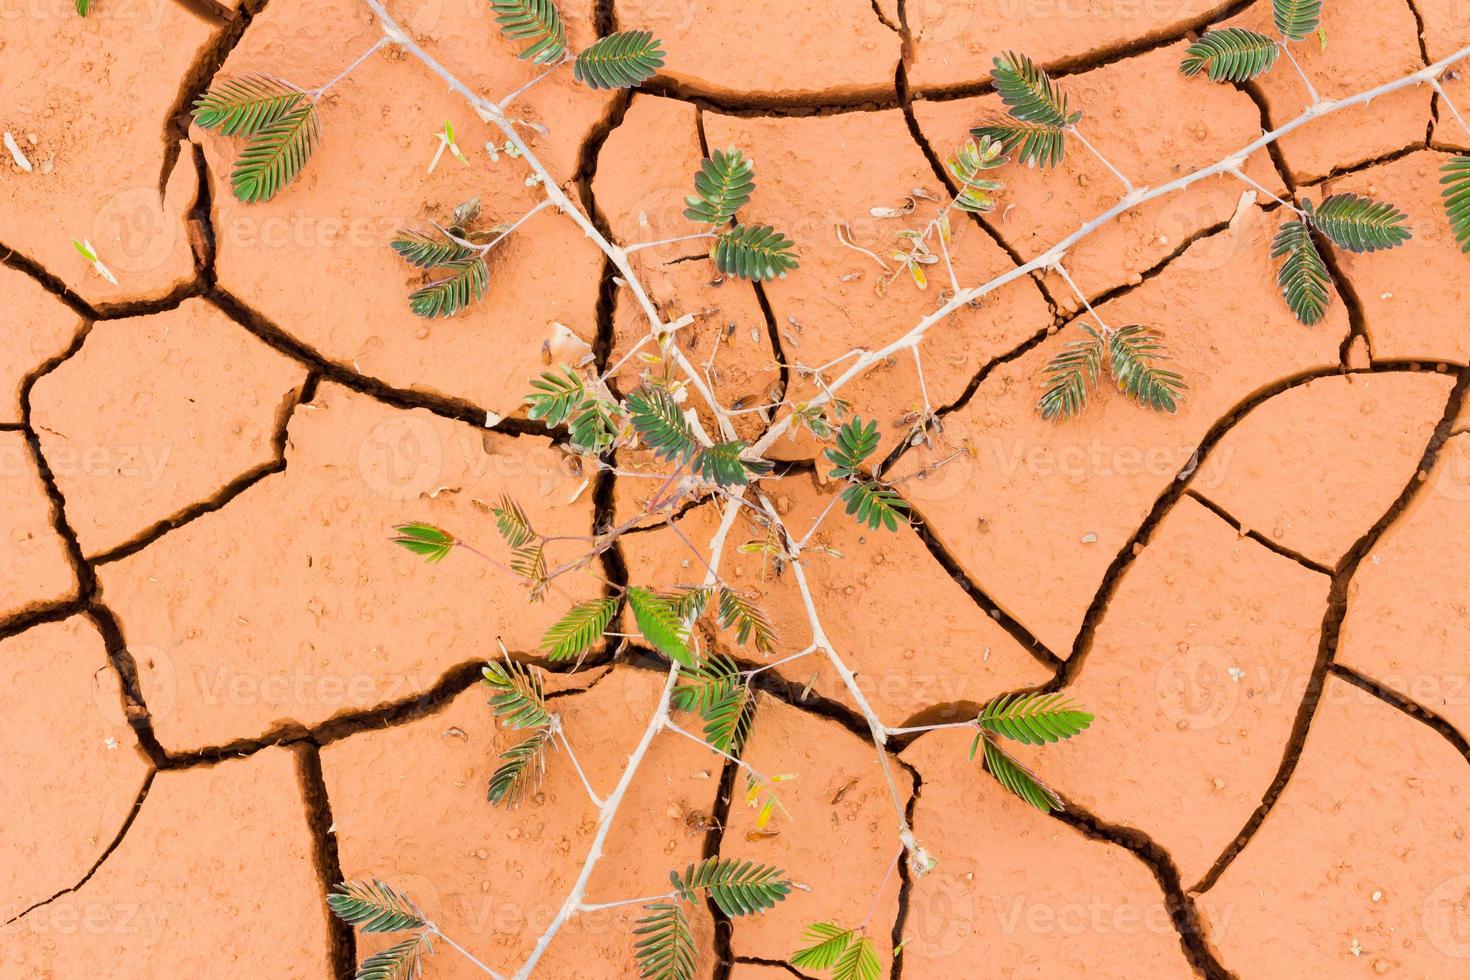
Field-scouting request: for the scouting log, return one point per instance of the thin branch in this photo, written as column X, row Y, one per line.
column 1445, row 96
column 535, row 81
column 463, row 952
column 1311, row 89
column 931, row 728
column 586, row 784
column 1240, row 174
column 630, row 249
column 1127, row 184
column 1101, row 326
column 317, row 93
column 599, row 906
column 543, row 205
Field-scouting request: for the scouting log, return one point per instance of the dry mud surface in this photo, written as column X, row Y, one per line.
column 222, row 691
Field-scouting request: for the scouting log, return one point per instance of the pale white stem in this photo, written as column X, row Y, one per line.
column 818, row 522
column 1102, row 327
column 882, row 887
column 923, row 385
column 674, row 526
column 1127, row 184
column 821, row 641
column 1139, row 196
column 317, row 93
column 1311, row 89
column 1242, row 175
column 671, row 726
column 576, row 764
column 1445, row 97
column 954, row 280
column 599, row 906
column 533, row 82
column 543, row 205
column 605, row 817
column 784, row 660
column 630, row 249
column 931, row 728
column 464, row 952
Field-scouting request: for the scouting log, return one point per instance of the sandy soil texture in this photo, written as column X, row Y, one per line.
column 223, row 690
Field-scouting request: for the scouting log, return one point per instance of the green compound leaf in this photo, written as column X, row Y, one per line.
column 723, row 186
column 722, row 464
column 620, row 60
column 465, row 285
column 555, row 396
column 706, row 682
column 1034, row 144
column 660, row 625
column 755, row 252
column 276, row 154
column 1016, row 777
column 976, row 192
column 1030, row 94
column 433, row 543
column 875, row 505
column 1133, row 353
column 1231, row 54
column 244, row 105
column 403, row 961
column 428, row 250
column 660, row 422
column 1034, row 719
column 749, row 621
column 1303, row 277
column 1071, row 374
column 1296, row 19
column 576, row 632
column 517, row 700
column 373, row 906
column 855, row 443
column 520, row 771
column 536, row 21
column 1456, row 192
column 512, row 523
column 665, row 946
column 592, row 429
column 728, row 716
column 1358, row 223
column 827, row 942
column 737, row 887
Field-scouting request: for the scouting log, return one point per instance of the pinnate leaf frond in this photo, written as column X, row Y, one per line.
column 1017, row 778
column 1303, row 277
column 512, row 523
column 705, row 683
column 737, row 887
column 246, row 104
column 1358, row 223
column 576, row 632
column 536, row 21
column 520, row 770
column 755, row 252
column 433, row 543
column 1030, row 94
column 1071, row 374
column 660, row 422
column 403, row 961
column 859, row 962
column 374, row 906
column 464, row 285
column 555, row 396
column 855, row 443
column 660, row 625
column 428, row 250
column 518, row 699
column 723, row 464
column 1456, row 192
column 875, row 505
column 1034, row 719
column 620, row 60
column 665, row 947
column 976, row 193
column 1231, row 54
column 749, row 621
column 722, row 187
column 827, row 942
column 592, row 429
column 276, row 154
column 1035, row 144
column 1296, row 19
column 728, row 715
column 1133, row 355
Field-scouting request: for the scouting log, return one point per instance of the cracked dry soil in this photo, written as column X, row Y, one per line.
column 221, row 692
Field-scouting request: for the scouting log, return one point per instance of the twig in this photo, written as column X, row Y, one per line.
column 317, row 93
column 1240, row 174
column 1311, row 89
column 598, row 907
column 1127, row 184
column 630, row 249
column 463, row 952
column 535, row 81
column 1450, row 103
column 587, row 785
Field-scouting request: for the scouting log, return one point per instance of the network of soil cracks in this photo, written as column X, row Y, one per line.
column 222, row 691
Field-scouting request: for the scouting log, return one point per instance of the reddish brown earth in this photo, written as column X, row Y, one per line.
column 222, row 690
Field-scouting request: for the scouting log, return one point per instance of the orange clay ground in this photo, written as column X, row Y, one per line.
column 222, row 690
